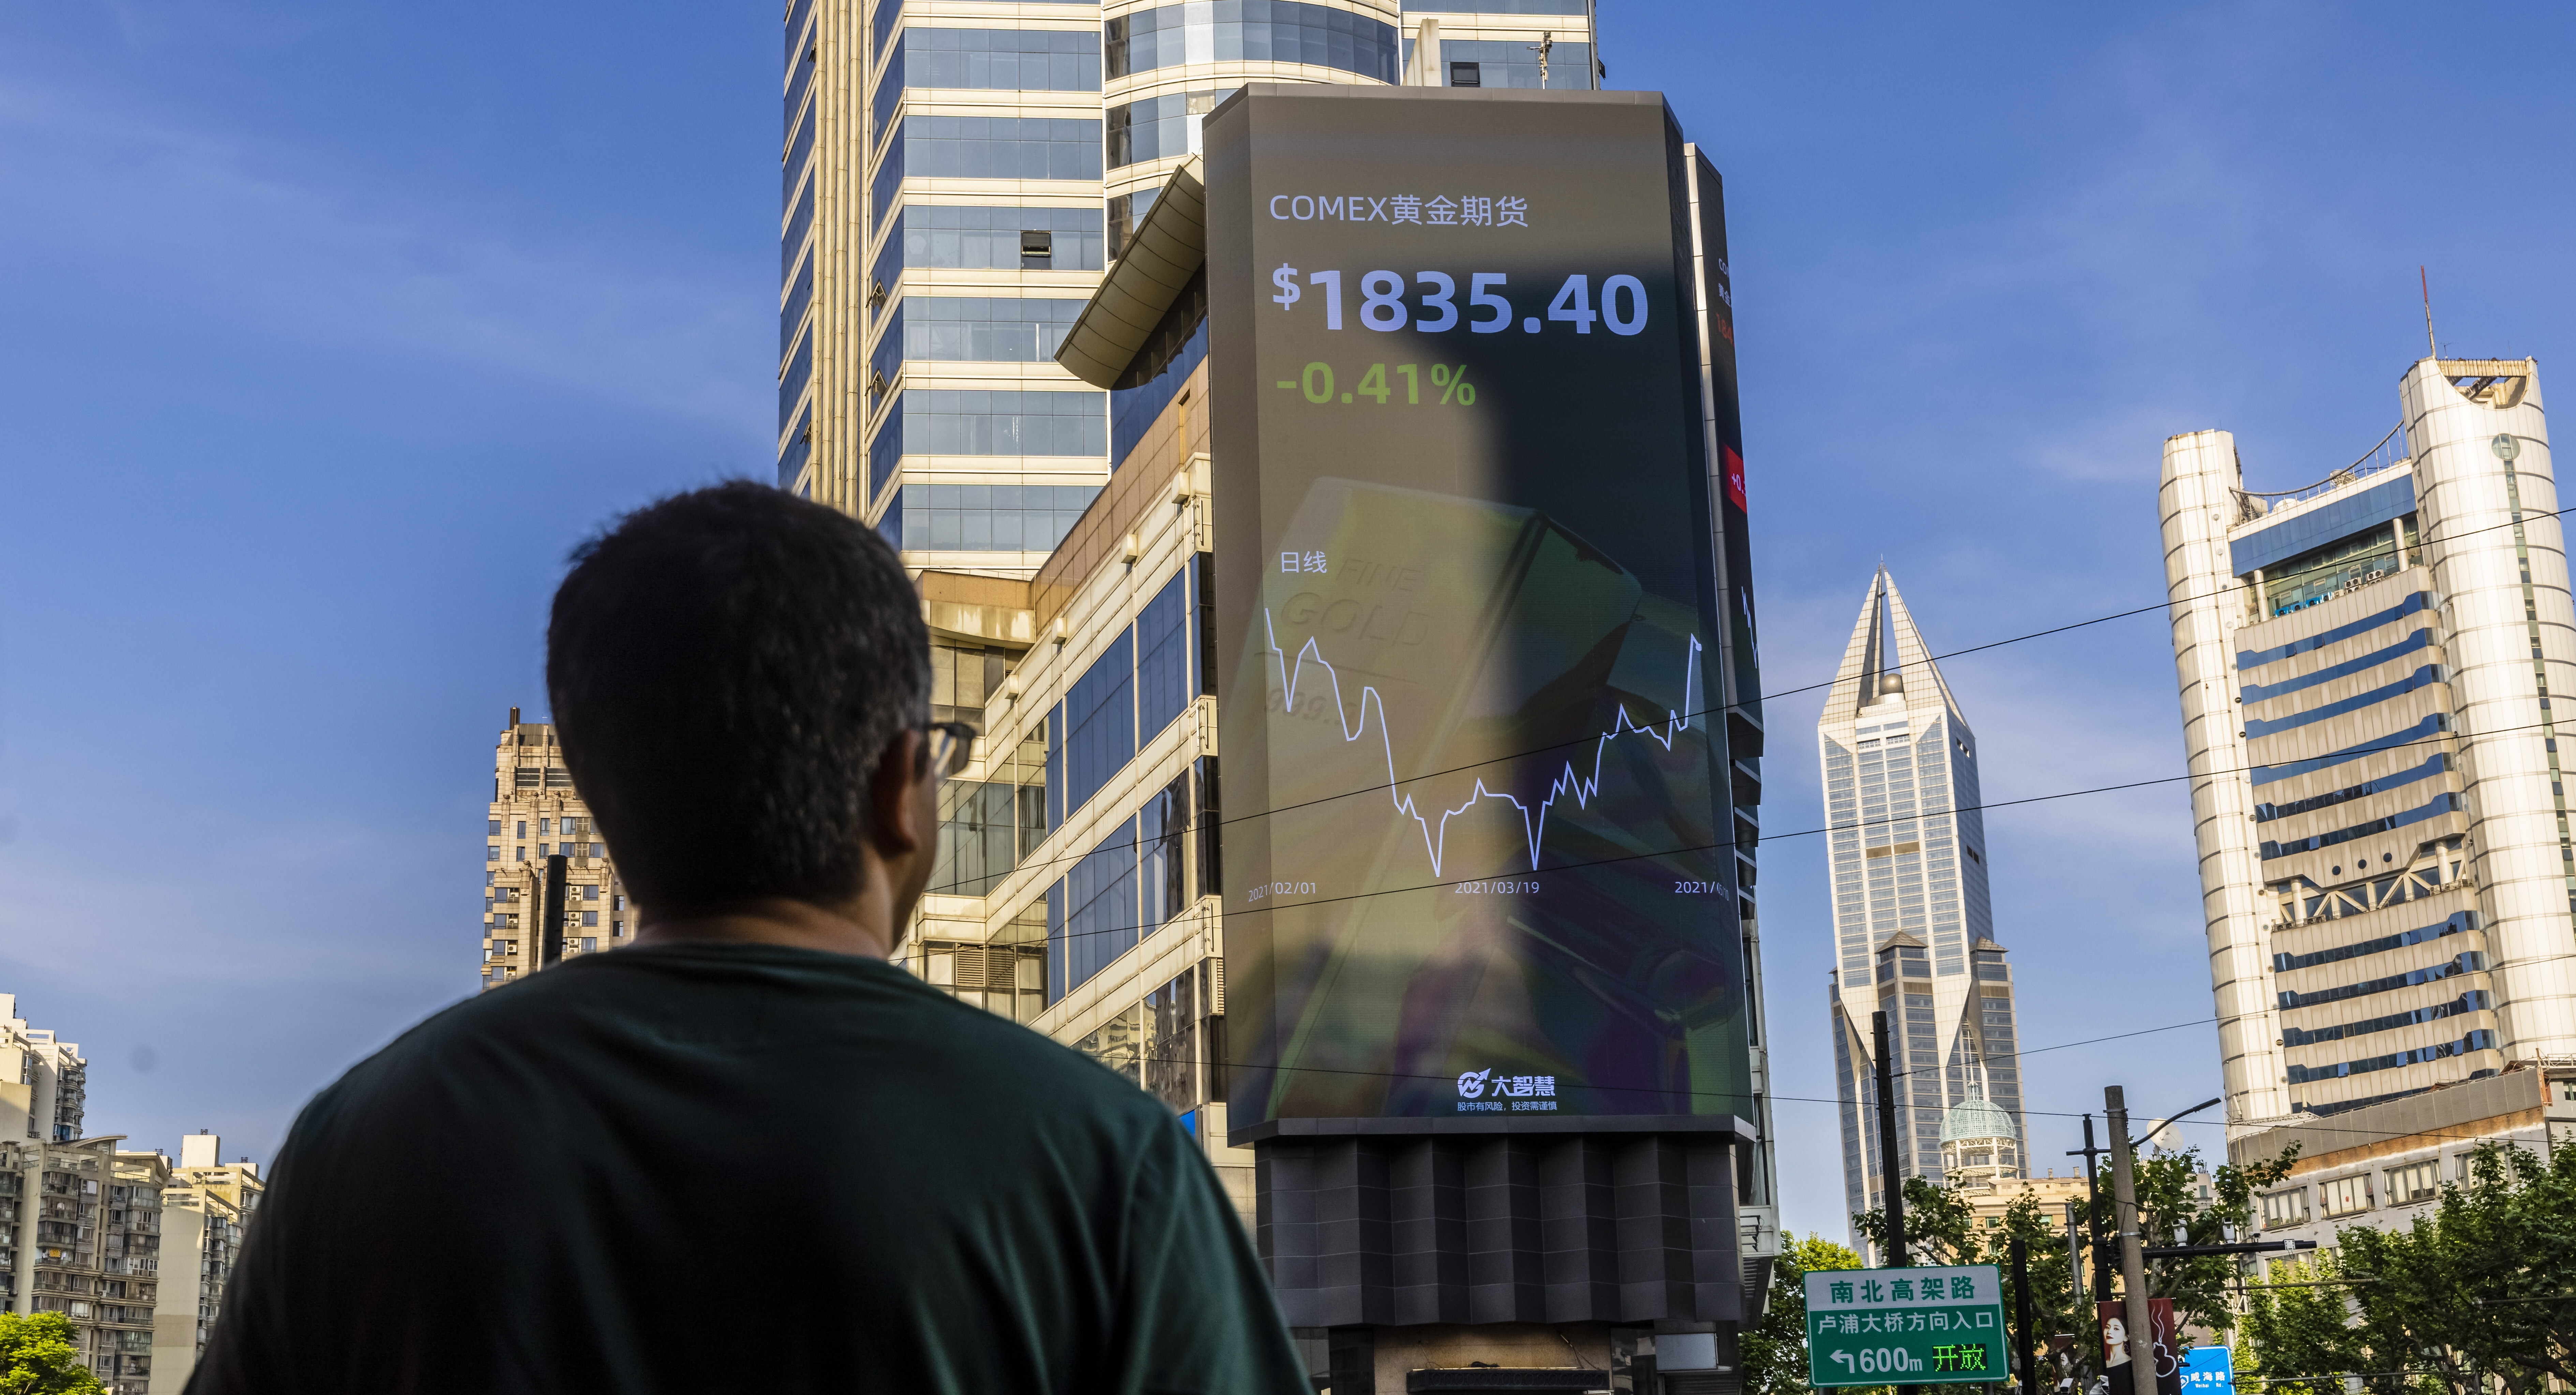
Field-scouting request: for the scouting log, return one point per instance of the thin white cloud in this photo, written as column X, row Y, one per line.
column 232, row 227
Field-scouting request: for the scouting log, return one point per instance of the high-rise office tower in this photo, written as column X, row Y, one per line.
column 1913, row 925
column 954, row 180
column 543, row 856
column 2366, row 667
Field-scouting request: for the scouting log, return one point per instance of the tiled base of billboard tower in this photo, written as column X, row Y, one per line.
column 1562, row 1254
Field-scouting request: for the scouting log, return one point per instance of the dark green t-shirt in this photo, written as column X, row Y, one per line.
column 704, row 1168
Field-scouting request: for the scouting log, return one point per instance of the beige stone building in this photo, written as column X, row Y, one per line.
column 541, row 847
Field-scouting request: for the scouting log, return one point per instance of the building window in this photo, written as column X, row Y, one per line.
column 990, row 517
column 2345, row 1195
column 2419, row 1182
column 523, row 828
column 590, row 893
column 1163, row 655
column 2285, row 1208
column 1100, row 722
column 491, row 852
column 1091, row 914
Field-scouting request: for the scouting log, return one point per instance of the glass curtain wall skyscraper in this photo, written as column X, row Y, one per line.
column 1913, row 924
column 955, row 175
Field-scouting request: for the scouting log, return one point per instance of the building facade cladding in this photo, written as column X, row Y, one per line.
column 2385, row 1165
column 535, row 818
column 960, row 179
column 2365, row 669
column 1913, row 920
column 1088, row 910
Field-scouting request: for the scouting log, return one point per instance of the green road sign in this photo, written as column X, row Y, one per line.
column 1920, row 1326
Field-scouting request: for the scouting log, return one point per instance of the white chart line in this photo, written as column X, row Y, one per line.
column 1533, row 822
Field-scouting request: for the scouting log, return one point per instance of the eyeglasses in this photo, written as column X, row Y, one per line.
column 952, row 744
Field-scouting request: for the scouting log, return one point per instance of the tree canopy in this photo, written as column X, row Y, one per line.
column 40, row 1356
column 2483, row 1284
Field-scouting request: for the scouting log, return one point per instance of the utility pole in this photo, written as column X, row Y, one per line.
column 1888, row 1169
column 2133, row 1265
column 2093, row 1213
column 2023, row 1351
column 1892, row 1177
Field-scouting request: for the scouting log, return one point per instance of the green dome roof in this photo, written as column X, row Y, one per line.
column 1976, row 1117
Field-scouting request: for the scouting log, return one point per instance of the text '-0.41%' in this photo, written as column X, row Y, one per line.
column 1447, row 386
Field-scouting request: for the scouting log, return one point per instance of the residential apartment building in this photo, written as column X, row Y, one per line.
column 1913, row 919
column 206, row 1204
column 41, row 1078
column 550, row 889
column 2366, row 668
column 82, row 1239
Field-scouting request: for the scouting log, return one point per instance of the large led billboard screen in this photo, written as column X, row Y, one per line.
column 1477, row 851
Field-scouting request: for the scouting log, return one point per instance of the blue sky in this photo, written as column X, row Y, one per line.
column 325, row 330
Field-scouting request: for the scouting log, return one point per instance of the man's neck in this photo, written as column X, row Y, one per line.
column 860, row 926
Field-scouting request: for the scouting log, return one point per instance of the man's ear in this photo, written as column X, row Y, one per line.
column 896, row 821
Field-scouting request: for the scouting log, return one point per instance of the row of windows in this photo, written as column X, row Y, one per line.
column 2433, row 808
column 2259, row 692
column 982, row 517
column 791, row 167
column 947, row 421
column 1120, row 891
column 1513, row 63
column 985, row 147
column 972, row 329
column 2432, row 765
column 492, row 851
column 1138, row 686
column 2466, row 963
column 2414, row 1182
column 1012, row 60
column 792, row 378
column 791, row 311
column 2316, row 577
column 2429, row 727
column 2459, row 923
column 989, row 238
column 2480, row 1040
column 2250, row 659
column 1252, row 31
column 2475, row 1000
column 2423, row 677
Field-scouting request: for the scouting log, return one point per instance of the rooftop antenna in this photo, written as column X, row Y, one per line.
column 2427, row 283
column 1546, row 42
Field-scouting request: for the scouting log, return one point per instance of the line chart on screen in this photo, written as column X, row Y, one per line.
column 1533, row 819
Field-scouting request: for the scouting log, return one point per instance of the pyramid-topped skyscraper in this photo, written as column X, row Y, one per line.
column 1913, row 926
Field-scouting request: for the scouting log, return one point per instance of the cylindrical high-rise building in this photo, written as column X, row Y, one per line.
column 2365, row 669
